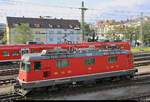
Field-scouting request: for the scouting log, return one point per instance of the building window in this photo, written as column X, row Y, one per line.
column 15, row 25
column 6, row 53
column 50, row 39
column 51, row 26
column 59, row 32
column 58, row 26
column 70, row 26
column 58, row 38
column 72, row 38
column 15, row 53
column 76, row 27
column 37, row 25
column 78, row 38
column 48, row 32
column 112, row 59
column 37, row 66
column 71, row 32
column 37, row 32
column 15, row 32
column 52, row 31
column 38, row 39
column 62, row 63
column 89, row 61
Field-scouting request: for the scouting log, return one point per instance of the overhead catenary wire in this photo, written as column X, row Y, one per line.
column 92, row 14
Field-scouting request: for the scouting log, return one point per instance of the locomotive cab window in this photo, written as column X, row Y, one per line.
column 62, row 63
column 23, row 66
column 26, row 66
column 89, row 61
column 6, row 53
column 112, row 59
column 15, row 53
column 37, row 66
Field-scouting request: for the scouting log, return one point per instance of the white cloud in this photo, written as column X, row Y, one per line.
column 33, row 10
column 105, row 10
column 119, row 9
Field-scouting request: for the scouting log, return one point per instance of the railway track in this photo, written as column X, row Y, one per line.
column 8, row 66
column 7, row 81
column 6, row 72
column 140, row 98
column 80, row 90
column 10, row 97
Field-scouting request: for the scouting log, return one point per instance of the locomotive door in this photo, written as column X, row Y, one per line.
column 24, row 51
column 129, row 60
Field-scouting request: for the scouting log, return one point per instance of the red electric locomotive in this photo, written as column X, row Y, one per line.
column 11, row 53
column 62, row 66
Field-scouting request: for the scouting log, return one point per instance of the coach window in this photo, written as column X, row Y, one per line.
column 33, row 51
column 89, row 61
column 15, row 53
column 62, row 63
column 112, row 59
column 37, row 66
column 6, row 53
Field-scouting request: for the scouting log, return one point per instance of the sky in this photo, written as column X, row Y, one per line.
column 69, row 9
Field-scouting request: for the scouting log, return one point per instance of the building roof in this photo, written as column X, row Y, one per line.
column 106, row 22
column 43, row 23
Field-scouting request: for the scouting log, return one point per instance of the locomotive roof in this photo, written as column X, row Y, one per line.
column 39, row 56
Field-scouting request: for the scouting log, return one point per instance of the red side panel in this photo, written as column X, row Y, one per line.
column 77, row 68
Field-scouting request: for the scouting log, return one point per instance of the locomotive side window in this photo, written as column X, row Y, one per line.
column 15, row 53
column 62, row 63
column 89, row 61
column 6, row 53
column 112, row 59
column 37, row 66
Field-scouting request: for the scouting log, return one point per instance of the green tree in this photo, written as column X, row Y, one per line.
column 146, row 32
column 89, row 32
column 4, row 40
column 2, row 32
column 129, row 32
column 24, row 33
column 113, row 33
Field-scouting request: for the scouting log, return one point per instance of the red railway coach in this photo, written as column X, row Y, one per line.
column 11, row 53
column 56, row 67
